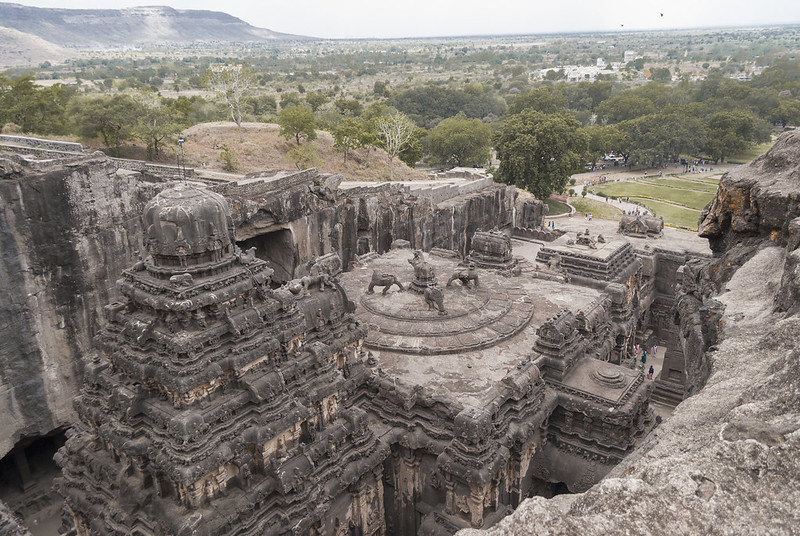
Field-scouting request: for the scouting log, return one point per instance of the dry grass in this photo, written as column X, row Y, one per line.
column 259, row 148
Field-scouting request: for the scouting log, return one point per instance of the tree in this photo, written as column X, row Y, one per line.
column 729, row 133
column 350, row 134
column 155, row 122
column 349, row 107
column 298, row 122
column 396, row 131
column 315, row 100
column 624, row 106
column 661, row 137
column 541, row 99
column 290, row 99
column 539, row 151
column 303, row 156
column 111, row 117
column 661, row 74
column 233, row 83
column 33, row 108
column 228, row 158
column 460, row 141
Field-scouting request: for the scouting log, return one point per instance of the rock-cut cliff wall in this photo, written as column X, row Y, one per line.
column 65, row 236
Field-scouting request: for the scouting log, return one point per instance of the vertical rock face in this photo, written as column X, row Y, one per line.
column 65, row 235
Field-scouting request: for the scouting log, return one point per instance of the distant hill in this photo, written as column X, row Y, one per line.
column 17, row 49
column 104, row 28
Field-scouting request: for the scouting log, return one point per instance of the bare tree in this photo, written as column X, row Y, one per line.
column 233, row 83
column 396, row 131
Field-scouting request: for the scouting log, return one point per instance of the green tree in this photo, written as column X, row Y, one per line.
column 349, row 107
column 787, row 112
column 111, row 117
column 662, row 137
column 349, row 135
column 289, row 99
column 303, row 157
column 33, row 108
column 661, row 74
column 298, row 122
column 623, row 107
column 228, row 158
column 540, row 99
column 539, row 151
column 316, row 99
column 729, row 133
column 155, row 123
column 460, row 141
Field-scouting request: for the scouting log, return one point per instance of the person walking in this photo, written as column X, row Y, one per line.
column 644, row 357
column 650, row 373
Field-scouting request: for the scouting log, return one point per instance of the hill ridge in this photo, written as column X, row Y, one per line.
column 134, row 26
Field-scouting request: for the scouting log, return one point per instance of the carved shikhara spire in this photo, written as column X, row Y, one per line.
column 215, row 404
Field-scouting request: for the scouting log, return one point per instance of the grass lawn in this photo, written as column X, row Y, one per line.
column 690, row 198
column 556, row 207
column 703, row 186
column 597, row 209
column 673, row 215
column 745, row 157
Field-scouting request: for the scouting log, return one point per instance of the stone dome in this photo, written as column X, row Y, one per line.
column 188, row 226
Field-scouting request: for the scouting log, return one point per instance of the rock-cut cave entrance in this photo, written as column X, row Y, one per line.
column 278, row 249
column 27, row 473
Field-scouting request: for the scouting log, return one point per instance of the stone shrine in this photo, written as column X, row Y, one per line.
column 216, row 404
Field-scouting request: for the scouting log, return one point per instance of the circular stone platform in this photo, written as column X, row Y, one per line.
column 402, row 322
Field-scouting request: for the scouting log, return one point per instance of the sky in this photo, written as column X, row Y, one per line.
column 346, row 19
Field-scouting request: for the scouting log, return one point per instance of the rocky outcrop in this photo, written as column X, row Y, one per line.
column 728, row 460
column 65, row 236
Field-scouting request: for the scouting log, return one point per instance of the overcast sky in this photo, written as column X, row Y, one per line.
column 427, row 18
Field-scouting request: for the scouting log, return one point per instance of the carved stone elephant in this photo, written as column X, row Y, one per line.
column 382, row 279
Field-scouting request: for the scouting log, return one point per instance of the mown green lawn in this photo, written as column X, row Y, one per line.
column 690, row 198
column 704, row 186
column 597, row 209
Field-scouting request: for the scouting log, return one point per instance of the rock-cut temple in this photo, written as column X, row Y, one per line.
column 220, row 400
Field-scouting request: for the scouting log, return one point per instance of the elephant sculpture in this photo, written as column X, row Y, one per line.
column 381, row 279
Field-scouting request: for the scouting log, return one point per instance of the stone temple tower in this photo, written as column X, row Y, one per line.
column 217, row 404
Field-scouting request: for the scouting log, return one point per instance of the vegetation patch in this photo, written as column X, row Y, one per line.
column 597, row 209
column 556, row 207
column 693, row 199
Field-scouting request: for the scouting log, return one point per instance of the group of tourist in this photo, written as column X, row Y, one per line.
column 654, row 351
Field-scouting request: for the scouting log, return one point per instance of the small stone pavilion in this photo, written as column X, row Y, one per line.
column 221, row 402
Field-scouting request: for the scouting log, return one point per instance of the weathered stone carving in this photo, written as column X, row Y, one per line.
column 385, row 280
column 465, row 275
column 424, row 275
column 434, row 298
column 244, row 393
column 641, row 226
column 491, row 249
